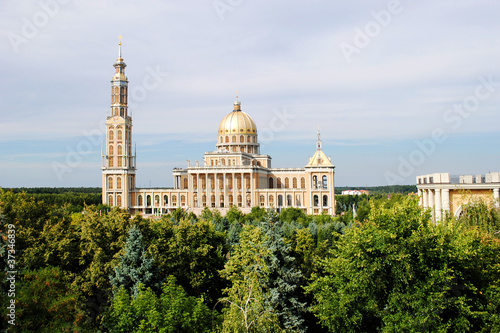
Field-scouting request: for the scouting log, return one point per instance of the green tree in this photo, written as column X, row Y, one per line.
column 247, row 309
column 256, row 214
column 478, row 214
column 284, row 279
column 172, row 311
column 234, row 215
column 399, row 272
column 193, row 253
column 46, row 302
column 293, row 214
column 179, row 214
column 135, row 267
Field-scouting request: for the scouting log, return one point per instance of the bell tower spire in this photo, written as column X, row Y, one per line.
column 118, row 163
column 120, row 47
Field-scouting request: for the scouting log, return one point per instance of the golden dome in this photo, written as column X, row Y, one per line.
column 237, row 122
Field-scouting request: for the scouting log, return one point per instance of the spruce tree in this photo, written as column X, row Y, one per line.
column 284, row 279
column 134, row 267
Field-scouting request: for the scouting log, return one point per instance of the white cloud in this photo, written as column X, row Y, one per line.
column 277, row 54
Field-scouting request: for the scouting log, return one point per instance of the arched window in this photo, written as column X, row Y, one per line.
column 271, row 200
column 204, row 200
column 212, row 200
column 262, row 200
column 278, row 183
column 139, row 200
column 157, row 200
column 297, row 200
column 110, row 200
column 289, row 200
column 280, row 200
column 294, row 182
column 119, row 200
column 230, row 182
column 227, row 139
column 111, row 151
column 242, row 149
column 165, row 200
column 287, row 183
column 248, row 138
column 120, row 150
column 325, row 182
column 240, row 200
column 221, row 200
column 195, row 182
column 255, row 139
column 203, row 183
column 148, row 200
column 174, row 200
column 325, row 201
column 271, row 183
column 234, row 139
column 242, row 138
column 221, row 139
column 122, row 113
column 110, row 183
column 315, row 201
column 249, row 200
column 238, row 182
column 195, row 200
column 119, row 183
column 302, row 182
column 221, row 182
column 315, row 181
column 111, row 135
column 230, row 199
column 120, row 134
column 183, row 200
column 247, row 182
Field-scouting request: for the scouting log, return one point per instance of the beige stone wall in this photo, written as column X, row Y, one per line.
column 461, row 197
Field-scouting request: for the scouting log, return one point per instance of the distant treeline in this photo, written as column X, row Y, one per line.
column 74, row 198
column 55, row 190
column 403, row 189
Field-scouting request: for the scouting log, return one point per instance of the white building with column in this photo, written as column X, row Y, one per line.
column 447, row 194
column 236, row 173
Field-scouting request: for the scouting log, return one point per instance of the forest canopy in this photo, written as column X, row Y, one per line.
column 383, row 266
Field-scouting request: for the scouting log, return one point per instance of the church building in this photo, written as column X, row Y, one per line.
column 236, row 173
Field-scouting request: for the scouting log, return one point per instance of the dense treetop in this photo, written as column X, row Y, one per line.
column 382, row 264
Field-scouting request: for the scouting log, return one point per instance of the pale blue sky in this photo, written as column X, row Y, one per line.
column 378, row 77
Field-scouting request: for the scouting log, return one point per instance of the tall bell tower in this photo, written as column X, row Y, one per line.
column 118, row 163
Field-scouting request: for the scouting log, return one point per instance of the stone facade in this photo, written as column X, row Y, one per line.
column 235, row 174
column 444, row 193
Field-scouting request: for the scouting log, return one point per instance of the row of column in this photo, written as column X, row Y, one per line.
column 437, row 199
column 235, row 191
